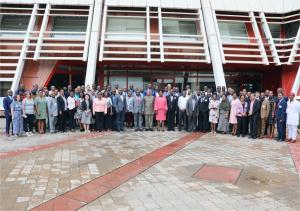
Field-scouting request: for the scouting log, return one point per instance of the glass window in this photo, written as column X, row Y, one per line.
column 291, row 29
column 121, row 81
column 126, row 28
column 14, row 23
column 275, row 30
column 229, row 30
column 69, row 24
column 4, row 86
column 137, row 82
column 179, row 27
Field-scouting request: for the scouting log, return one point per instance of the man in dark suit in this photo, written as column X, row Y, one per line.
column 121, row 107
column 280, row 117
column 7, row 111
column 254, row 116
column 203, row 103
column 62, row 110
column 172, row 108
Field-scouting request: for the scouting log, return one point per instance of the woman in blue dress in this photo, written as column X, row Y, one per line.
column 16, row 113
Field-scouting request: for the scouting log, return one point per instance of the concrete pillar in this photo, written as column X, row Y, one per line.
column 213, row 43
column 94, row 43
column 296, row 84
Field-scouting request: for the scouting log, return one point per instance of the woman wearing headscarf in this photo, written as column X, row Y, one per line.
column 224, row 109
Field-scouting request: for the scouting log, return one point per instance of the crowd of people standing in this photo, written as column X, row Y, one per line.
column 246, row 114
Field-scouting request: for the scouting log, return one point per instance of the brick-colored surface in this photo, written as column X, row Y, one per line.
column 218, row 174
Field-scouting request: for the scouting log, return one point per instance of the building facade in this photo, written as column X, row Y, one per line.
column 253, row 44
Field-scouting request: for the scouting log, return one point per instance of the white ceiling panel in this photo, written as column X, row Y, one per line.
column 167, row 4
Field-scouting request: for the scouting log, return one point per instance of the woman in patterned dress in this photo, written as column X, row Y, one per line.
column 16, row 114
column 78, row 114
column 224, row 109
column 270, row 119
column 213, row 112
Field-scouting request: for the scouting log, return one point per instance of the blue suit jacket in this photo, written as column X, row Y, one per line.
column 120, row 105
column 6, row 105
column 281, row 110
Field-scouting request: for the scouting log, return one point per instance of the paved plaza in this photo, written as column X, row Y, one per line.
column 147, row 171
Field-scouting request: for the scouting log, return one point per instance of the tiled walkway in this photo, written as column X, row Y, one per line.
column 148, row 171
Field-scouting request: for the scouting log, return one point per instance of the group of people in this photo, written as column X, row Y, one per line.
column 255, row 115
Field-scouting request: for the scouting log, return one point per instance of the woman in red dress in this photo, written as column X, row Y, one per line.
column 160, row 108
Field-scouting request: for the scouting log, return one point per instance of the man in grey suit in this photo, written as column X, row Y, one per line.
column 121, row 104
column 138, row 108
column 52, row 111
column 192, row 113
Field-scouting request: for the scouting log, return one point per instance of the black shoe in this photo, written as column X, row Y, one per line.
column 280, row 140
column 238, row 136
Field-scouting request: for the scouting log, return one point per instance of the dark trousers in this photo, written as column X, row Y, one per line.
column 242, row 126
column 192, row 123
column 7, row 123
column 253, row 125
column 99, row 121
column 281, row 129
column 28, row 123
column 129, row 119
column 107, row 121
column 171, row 119
column 114, row 119
column 203, row 121
column 182, row 120
column 71, row 114
column 120, row 120
column 62, row 121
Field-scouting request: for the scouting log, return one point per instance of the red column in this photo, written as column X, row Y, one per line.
column 288, row 76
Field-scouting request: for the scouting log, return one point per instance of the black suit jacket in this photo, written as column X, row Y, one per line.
column 256, row 107
column 84, row 105
column 61, row 104
column 203, row 104
column 172, row 105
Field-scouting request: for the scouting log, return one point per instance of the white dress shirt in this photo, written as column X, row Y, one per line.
column 71, row 103
column 182, row 102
